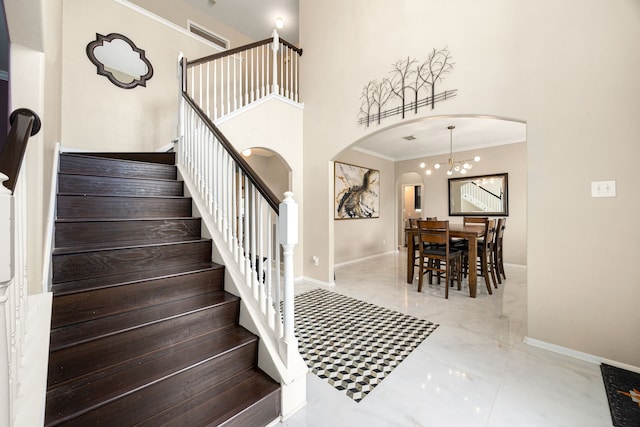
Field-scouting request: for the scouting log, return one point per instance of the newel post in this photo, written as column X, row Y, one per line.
column 6, row 275
column 275, row 46
column 288, row 234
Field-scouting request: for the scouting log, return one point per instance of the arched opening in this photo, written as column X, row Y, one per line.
column 411, row 190
column 271, row 167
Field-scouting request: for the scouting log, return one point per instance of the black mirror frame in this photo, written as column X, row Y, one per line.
column 504, row 196
column 99, row 41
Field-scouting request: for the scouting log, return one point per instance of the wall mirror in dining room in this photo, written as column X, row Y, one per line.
column 485, row 195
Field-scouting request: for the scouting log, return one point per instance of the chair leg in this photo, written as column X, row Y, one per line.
column 492, row 270
column 421, row 274
column 485, row 273
column 496, row 265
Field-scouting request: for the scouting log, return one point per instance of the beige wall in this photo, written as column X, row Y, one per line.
column 359, row 238
column 275, row 124
column 197, row 14
column 511, row 159
column 35, row 76
column 98, row 115
column 539, row 62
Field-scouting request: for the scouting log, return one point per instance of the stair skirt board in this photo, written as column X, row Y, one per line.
column 143, row 331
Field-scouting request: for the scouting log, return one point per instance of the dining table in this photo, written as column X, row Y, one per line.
column 470, row 232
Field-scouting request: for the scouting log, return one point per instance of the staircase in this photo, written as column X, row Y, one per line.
column 143, row 332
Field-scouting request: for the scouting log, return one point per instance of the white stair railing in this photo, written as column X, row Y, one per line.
column 249, row 220
column 225, row 82
column 13, row 261
column 483, row 199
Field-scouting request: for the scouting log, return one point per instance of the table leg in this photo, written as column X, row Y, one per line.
column 471, row 266
column 410, row 263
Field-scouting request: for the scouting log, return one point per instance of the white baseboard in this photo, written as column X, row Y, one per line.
column 315, row 281
column 395, row 251
column 578, row 354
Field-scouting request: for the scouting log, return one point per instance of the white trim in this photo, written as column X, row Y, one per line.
column 395, row 251
column 515, row 265
column 49, row 238
column 30, row 403
column 204, row 29
column 315, row 281
column 578, row 354
column 167, row 147
column 373, row 153
column 255, row 104
column 167, row 23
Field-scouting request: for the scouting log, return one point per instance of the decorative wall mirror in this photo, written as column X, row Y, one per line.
column 485, row 195
column 118, row 59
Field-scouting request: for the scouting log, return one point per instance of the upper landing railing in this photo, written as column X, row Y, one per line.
column 225, row 82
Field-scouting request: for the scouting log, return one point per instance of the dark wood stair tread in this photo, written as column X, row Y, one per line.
column 71, row 183
column 79, row 231
column 102, row 327
column 99, row 388
column 108, row 207
column 157, row 157
column 106, row 262
column 112, row 246
column 84, row 285
column 227, row 400
column 113, row 167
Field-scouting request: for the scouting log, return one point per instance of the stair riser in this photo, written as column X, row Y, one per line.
column 115, row 168
column 84, row 184
column 84, row 265
column 100, row 354
column 68, row 234
column 108, row 207
column 155, row 398
column 83, row 306
column 164, row 158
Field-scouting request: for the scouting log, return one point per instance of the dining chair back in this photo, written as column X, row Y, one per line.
column 498, row 259
column 475, row 220
column 436, row 254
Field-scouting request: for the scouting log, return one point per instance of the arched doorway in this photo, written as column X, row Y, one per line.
column 271, row 167
column 410, row 203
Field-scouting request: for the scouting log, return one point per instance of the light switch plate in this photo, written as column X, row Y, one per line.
column 603, row 188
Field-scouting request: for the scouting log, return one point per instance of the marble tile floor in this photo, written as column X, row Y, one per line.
column 474, row 369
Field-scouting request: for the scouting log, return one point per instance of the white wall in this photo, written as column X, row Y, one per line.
column 540, row 62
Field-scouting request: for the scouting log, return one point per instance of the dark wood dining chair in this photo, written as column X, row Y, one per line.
column 436, row 254
column 484, row 261
column 498, row 259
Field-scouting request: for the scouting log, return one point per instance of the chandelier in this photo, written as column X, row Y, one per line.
column 452, row 165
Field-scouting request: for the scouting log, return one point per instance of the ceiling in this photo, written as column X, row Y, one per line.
column 254, row 18
column 433, row 138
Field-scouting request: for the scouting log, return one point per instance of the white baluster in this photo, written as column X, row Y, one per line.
column 6, row 275
column 274, row 48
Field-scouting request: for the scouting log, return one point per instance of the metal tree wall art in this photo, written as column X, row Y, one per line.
column 409, row 80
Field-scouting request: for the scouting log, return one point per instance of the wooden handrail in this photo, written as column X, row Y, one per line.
column 266, row 192
column 292, row 47
column 24, row 124
column 241, row 49
column 229, row 52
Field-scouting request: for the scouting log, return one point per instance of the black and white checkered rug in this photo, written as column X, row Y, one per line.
column 352, row 344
